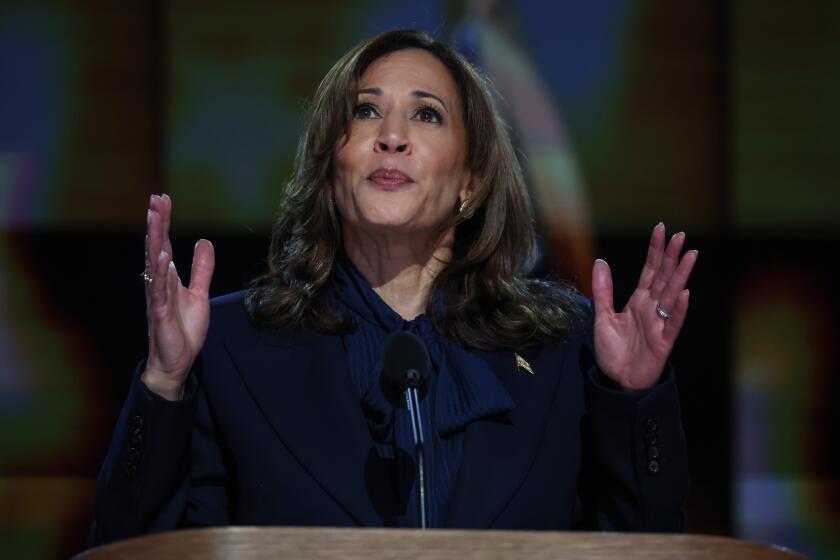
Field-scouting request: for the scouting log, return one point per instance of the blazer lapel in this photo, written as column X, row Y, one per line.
column 302, row 385
column 498, row 452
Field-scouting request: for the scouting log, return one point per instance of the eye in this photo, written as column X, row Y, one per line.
column 429, row 114
column 364, row 111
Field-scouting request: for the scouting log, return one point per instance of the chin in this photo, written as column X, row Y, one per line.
column 392, row 215
column 390, row 224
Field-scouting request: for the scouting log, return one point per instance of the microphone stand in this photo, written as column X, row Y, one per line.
column 412, row 401
column 406, row 365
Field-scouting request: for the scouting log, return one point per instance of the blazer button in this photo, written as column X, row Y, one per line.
column 653, row 452
column 650, row 438
column 653, row 466
column 652, row 424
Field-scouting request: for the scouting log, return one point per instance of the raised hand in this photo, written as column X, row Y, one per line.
column 631, row 347
column 178, row 316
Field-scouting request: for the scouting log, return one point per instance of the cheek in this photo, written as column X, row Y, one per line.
column 448, row 161
column 450, row 175
column 341, row 174
column 351, row 202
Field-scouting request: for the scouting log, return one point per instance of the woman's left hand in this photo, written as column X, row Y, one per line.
column 631, row 347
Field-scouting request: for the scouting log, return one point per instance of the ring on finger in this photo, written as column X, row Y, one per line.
column 146, row 277
column 661, row 312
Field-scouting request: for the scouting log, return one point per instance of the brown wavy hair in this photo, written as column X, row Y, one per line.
column 482, row 298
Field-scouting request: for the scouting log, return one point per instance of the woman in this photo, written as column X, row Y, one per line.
column 408, row 211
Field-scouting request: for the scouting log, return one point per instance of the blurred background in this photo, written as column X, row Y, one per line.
column 718, row 118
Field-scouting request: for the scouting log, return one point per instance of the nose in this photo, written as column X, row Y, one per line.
column 392, row 138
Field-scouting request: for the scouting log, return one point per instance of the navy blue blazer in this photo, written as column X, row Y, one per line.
column 270, row 432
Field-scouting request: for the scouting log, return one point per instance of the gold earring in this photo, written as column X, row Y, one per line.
column 461, row 207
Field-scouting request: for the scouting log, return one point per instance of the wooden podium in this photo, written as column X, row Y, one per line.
column 409, row 544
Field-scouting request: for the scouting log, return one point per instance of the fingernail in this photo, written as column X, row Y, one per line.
column 659, row 225
column 696, row 252
column 148, row 217
column 162, row 255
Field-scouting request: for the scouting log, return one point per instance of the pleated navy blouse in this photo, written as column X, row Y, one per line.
column 461, row 389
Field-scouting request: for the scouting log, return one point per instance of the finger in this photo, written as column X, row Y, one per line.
column 172, row 284
column 669, row 263
column 654, row 256
column 675, row 322
column 678, row 280
column 147, row 286
column 153, row 247
column 166, row 222
column 154, row 233
column 158, row 308
column 602, row 287
column 204, row 260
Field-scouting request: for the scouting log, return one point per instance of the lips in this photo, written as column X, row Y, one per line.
column 390, row 177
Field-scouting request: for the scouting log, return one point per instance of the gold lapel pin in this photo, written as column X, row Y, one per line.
column 521, row 363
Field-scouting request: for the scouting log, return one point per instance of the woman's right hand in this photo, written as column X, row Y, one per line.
column 177, row 316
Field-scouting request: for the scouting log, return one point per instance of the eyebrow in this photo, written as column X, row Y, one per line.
column 417, row 93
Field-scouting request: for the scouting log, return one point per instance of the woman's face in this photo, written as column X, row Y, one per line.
column 402, row 167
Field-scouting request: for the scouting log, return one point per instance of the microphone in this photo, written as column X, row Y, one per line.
column 406, row 365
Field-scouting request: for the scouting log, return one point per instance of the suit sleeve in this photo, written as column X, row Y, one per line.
column 634, row 475
column 635, row 470
column 163, row 469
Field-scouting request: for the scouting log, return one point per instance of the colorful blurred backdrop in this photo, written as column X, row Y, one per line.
column 719, row 118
